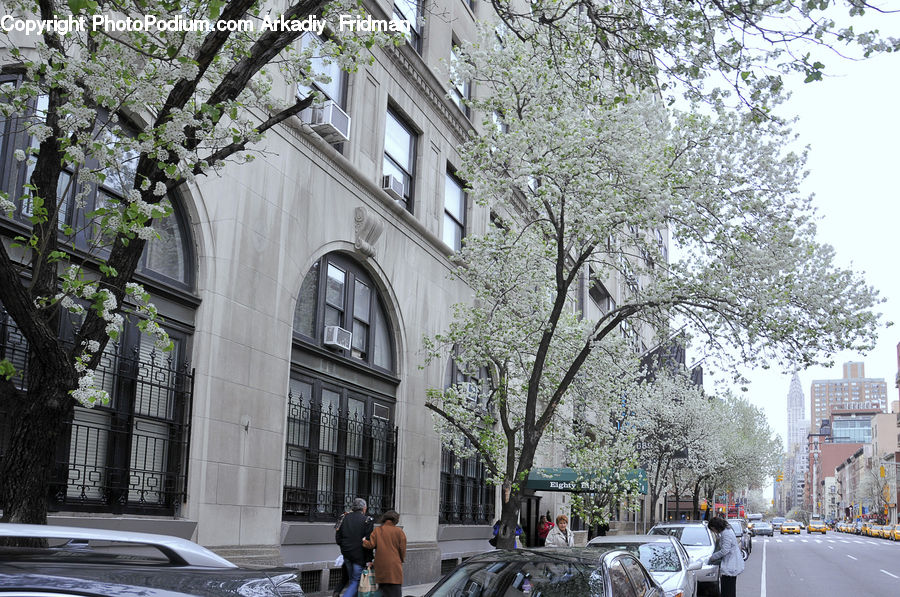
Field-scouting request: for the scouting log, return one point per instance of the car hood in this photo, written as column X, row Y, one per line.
column 669, row 580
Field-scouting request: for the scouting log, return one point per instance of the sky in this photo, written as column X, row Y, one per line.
column 851, row 121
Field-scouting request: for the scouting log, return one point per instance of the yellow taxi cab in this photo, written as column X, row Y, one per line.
column 816, row 526
column 875, row 530
column 895, row 533
column 790, row 527
column 866, row 529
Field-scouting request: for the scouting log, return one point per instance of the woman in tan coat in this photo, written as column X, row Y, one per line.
column 389, row 543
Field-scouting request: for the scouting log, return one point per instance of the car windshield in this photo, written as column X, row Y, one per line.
column 761, row 525
column 509, row 579
column 736, row 527
column 656, row 557
column 690, row 536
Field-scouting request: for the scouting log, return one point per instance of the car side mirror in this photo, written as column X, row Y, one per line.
column 695, row 565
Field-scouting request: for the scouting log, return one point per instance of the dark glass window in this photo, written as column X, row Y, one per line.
column 345, row 298
column 463, row 90
column 466, row 497
column 129, row 455
column 341, row 439
column 400, row 154
column 410, row 10
column 166, row 257
column 341, row 444
column 454, row 212
column 334, row 89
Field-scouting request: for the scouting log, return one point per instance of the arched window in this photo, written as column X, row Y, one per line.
column 341, row 439
column 466, row 498
column 129, row 456
column 337, row 293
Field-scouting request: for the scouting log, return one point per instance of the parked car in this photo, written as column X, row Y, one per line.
column 549, row 572
column 777, row 522
column 98, row 563
column 790, row 527
column 763, row 528
column 816, row 526
column 700, row 543
column 895, row 533
column 664, row 558
column 743, row 537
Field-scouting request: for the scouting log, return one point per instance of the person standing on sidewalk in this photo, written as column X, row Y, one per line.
column 544, row 527
column 389, row 543
column 355, row 527
column 728, row 554
column 561, row 535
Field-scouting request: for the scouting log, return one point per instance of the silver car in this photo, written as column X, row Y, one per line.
column 700, row 543
column 87, row 562
column 664, row 558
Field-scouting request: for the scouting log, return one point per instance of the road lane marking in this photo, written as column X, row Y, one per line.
column 762, row 582
column 889, row 574
column 849, row 556
column 831, row 547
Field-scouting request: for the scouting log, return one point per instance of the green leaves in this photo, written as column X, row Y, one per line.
column 7, row 370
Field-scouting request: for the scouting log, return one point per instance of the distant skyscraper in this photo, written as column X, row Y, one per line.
column 855, row 391
column 798, row 425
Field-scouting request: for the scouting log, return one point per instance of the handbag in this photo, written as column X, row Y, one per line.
column 493, row 540
column 368, row 586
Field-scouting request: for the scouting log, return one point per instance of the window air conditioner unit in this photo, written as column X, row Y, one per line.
column 329, row 121
column 337, row 337
column 393, row 187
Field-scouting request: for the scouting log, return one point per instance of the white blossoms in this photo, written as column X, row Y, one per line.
column 87, row 394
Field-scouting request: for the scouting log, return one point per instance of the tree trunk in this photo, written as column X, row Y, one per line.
column 38, row 419
column 696, row 513
column 509, row 521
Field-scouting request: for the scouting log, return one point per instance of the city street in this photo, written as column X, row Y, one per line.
column 824, row 566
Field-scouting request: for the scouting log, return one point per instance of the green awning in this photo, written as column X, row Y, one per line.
column 570, row 480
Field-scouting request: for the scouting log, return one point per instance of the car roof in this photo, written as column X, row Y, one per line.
column 573, row 554
column 632, row 539
column 179, row 551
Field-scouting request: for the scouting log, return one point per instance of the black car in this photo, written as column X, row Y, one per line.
column 549, row 572
column 95, row 563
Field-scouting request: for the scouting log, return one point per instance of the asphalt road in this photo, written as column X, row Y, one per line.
column 831, row 565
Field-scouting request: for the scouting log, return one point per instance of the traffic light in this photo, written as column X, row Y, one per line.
column 779, row 477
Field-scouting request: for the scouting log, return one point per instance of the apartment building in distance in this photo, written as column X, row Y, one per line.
column 854, row 391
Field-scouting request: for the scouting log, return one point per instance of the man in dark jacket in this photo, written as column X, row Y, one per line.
column 354, row 527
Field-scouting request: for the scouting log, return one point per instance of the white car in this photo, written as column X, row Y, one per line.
column 664, row 557
column 700, row 543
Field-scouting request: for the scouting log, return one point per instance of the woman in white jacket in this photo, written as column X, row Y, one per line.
column 729, row 554
column 560, row 535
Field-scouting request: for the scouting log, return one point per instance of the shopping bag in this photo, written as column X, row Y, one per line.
column 368, row 587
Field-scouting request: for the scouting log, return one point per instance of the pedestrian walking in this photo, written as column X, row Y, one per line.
column 728, row 555
column 544, row 527
column 561, row 535
column 354, row 527
column 389, row 543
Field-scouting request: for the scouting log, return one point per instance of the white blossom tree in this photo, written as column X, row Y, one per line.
column 737, row 52
column 680, row 433
column 581, row 177
column 146, row 110
column 747, row 450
